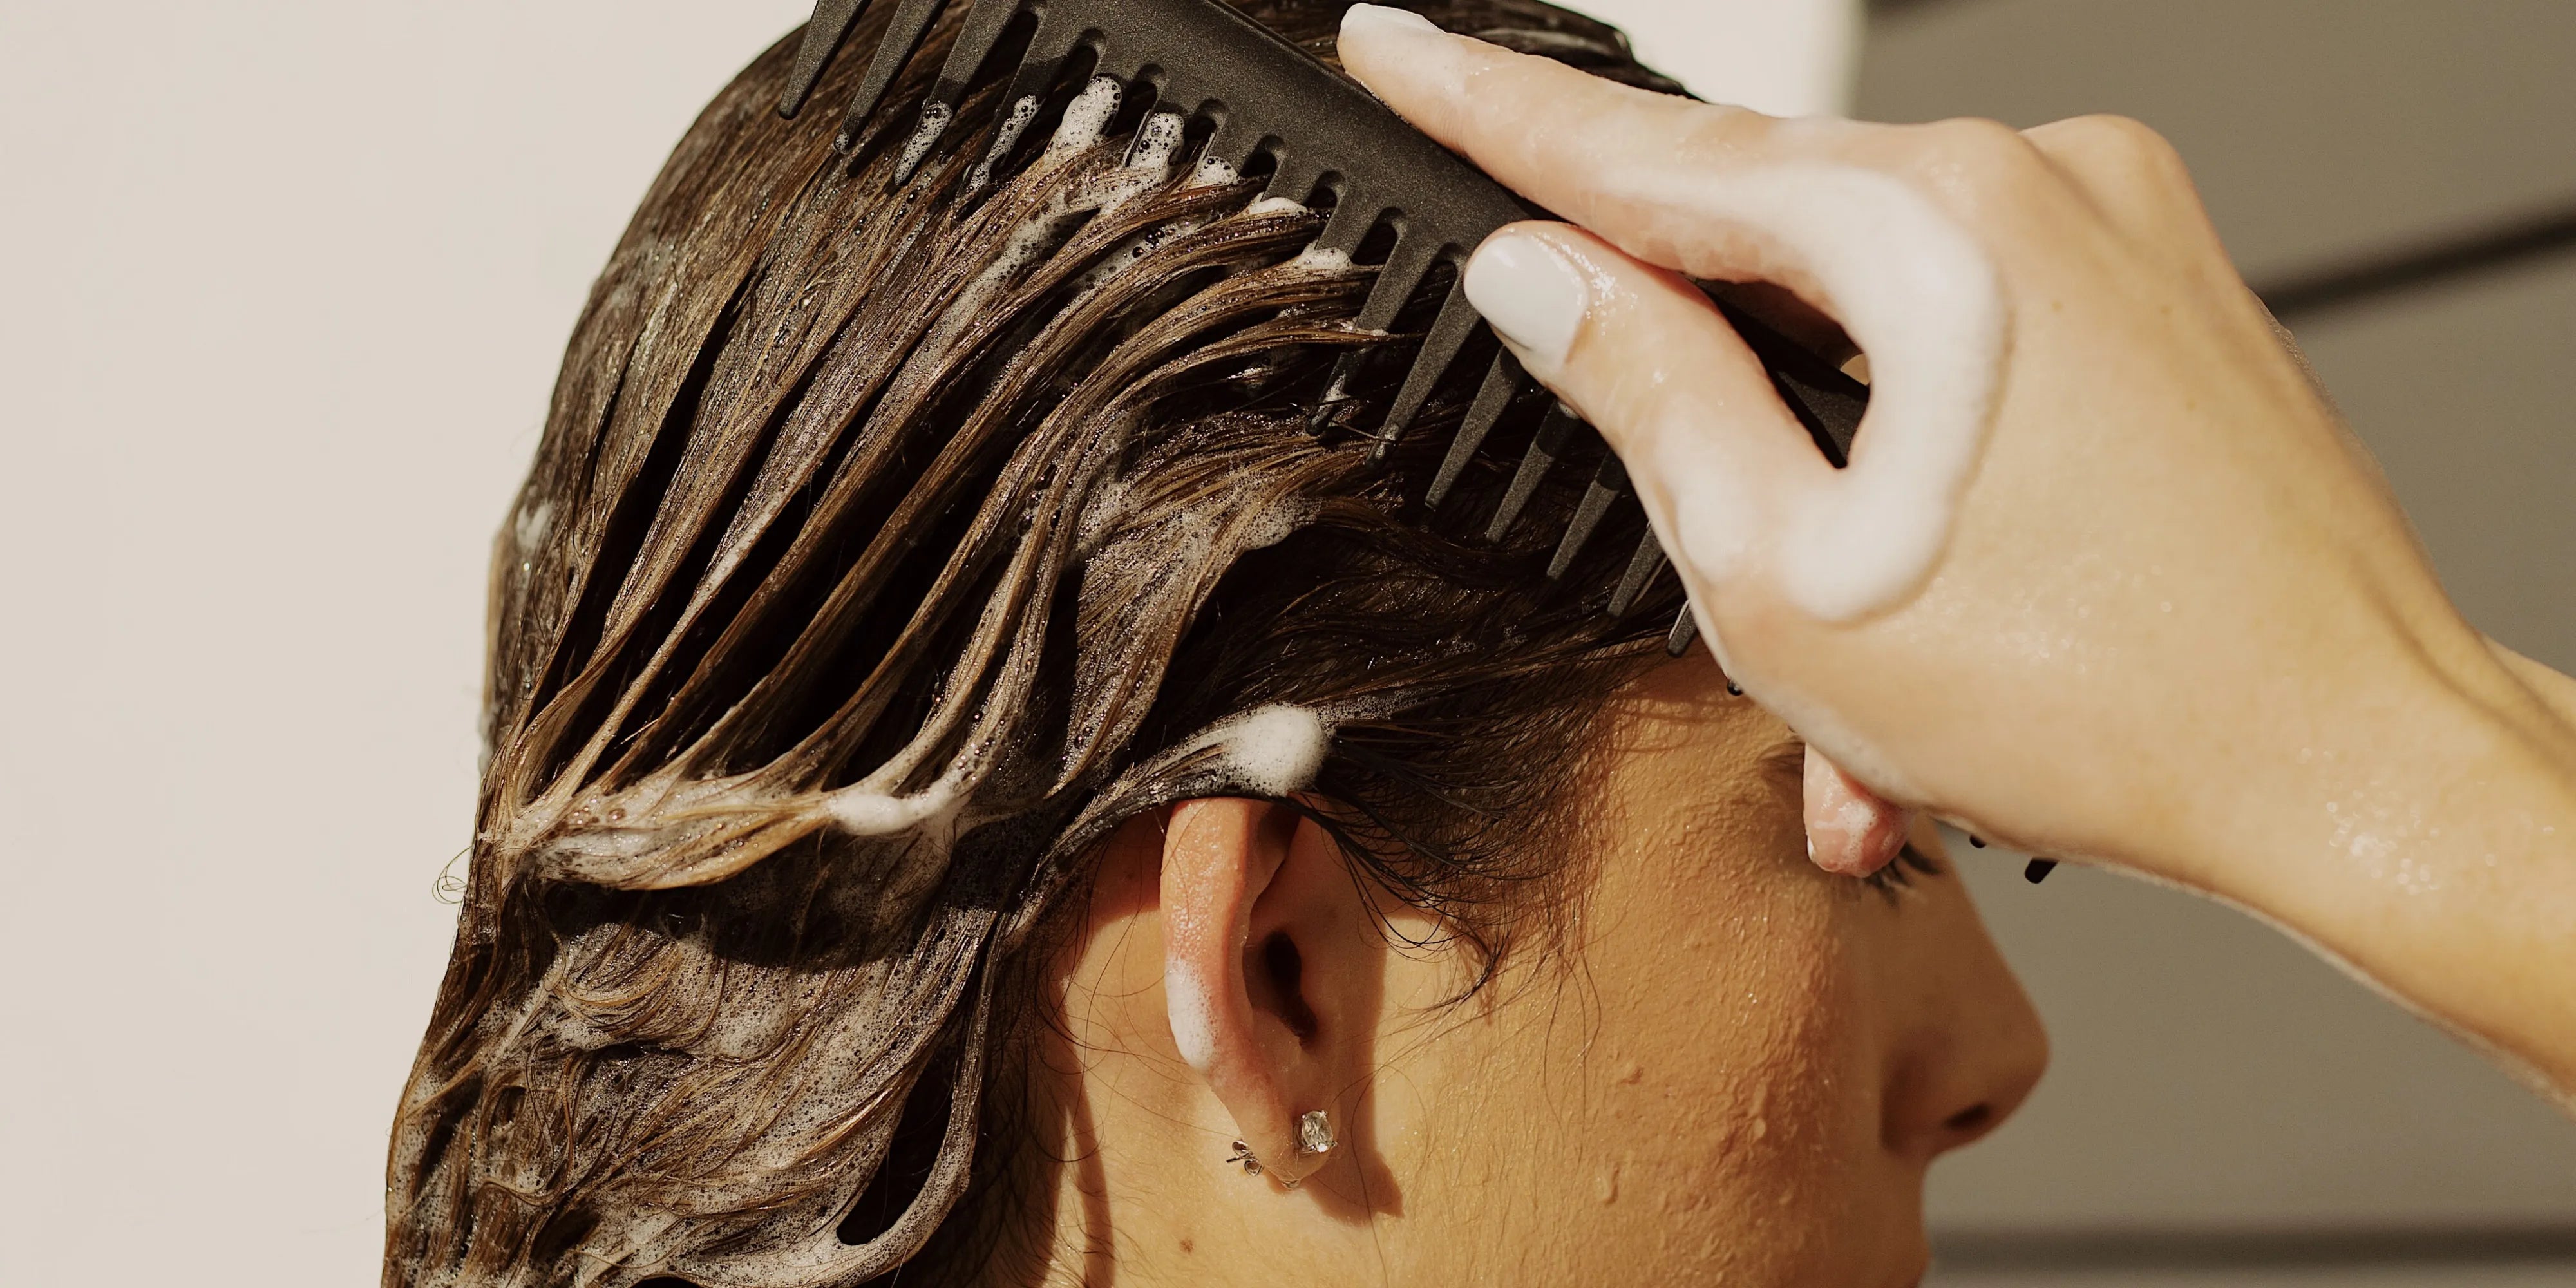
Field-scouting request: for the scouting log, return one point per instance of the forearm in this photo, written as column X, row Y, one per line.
column 2434, row 851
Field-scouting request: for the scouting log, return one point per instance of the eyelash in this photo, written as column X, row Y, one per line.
column 1787, row 767
column 1900, row 871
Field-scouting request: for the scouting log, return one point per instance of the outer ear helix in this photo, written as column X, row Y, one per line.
column 1221, row 857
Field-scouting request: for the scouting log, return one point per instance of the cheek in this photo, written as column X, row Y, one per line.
column 1730, row 1107
column 1686, row 1099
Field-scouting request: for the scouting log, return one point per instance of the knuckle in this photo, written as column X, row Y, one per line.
column 2120, row 143
column 1979, row 150
column 2124, row 136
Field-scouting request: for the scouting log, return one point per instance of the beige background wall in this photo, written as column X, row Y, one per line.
column 282, row 289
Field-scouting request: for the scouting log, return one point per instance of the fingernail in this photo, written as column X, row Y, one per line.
column 1380, row 20
column 1532, row 295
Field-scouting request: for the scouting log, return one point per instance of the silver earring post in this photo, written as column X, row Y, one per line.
column 1314, row 1139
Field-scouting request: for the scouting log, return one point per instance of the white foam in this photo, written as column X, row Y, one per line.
column 1087, row 116
column 1014, row 124
column 934, row 122
column 863, row 811
column 1156, row 140
column 1276, row 524
column 1211, row 171
column 1317, row 259
column 1275, row 206
column 1273, row 750
column 1918, row 293
column 1029, row 244
column 530, row 525
column 1193, row 1013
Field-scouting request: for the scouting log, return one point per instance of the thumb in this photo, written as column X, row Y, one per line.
column 1644, row 356
column 1850, row 829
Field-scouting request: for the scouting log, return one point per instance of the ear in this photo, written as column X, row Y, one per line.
column 1272, row 969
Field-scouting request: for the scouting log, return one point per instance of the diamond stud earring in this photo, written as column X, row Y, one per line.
column 1314, row 1133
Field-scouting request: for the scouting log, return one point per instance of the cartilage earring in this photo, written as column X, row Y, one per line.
column 1243, row 1155
column 1314, row 1133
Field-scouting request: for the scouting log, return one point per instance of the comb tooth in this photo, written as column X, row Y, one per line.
column 1642, row 567
column 1295, row 178
column 1336, row 391
column 1608, row 485
column 1827, row 402
column 1502, row 381
column 1678, row 639
column 1397, row 278
column 1542, row 453
column 976, row 37
column 1037, row 73
column 1439, row 348
column 1346, row 228
column 1394, row 285
column 824, row 33
column 1183, row 93
column 1232, row 142
column 1015, row 122
column 903, row 35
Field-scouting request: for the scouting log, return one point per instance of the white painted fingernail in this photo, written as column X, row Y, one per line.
column 1532, row 294
column 1380, row 20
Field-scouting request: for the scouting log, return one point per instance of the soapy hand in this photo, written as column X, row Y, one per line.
column 2106, row 578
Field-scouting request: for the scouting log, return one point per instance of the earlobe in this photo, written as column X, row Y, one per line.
column 1243, row 928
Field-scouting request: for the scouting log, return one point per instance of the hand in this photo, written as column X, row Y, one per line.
column 2107, row 578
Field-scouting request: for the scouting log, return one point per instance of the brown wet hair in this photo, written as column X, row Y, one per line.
column 883, row 551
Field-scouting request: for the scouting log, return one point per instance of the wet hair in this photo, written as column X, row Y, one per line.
column 884, row 550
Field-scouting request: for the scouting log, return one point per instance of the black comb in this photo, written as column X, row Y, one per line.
column 1262, row 95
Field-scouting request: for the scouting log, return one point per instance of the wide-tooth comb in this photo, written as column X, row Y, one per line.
column 1261, row 94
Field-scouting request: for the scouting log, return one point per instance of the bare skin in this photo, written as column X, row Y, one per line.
column 2179, row 626
column 1737, row 1070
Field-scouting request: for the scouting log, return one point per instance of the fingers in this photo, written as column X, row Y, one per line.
column 1570, row 141
column 2127, row 171
column 1645, row 357
column 1850, row 831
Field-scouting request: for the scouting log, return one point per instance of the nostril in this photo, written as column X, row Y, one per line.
column 1971, row 1120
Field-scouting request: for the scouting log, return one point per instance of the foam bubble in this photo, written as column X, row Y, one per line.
column 1014, row 124
column 1276, row 524
column 1273, row 750
column 934, row 122
column 1087, row 116
column 1156, row 140
column 1211, row 171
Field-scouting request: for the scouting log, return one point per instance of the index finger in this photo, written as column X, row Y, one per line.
column 1568, row 140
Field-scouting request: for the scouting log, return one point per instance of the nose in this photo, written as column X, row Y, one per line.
column 1966, row 1046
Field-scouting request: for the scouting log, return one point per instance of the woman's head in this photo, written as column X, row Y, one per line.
column 906, row 582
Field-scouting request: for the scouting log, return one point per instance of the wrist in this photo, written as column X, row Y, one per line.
column 2428, row 840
